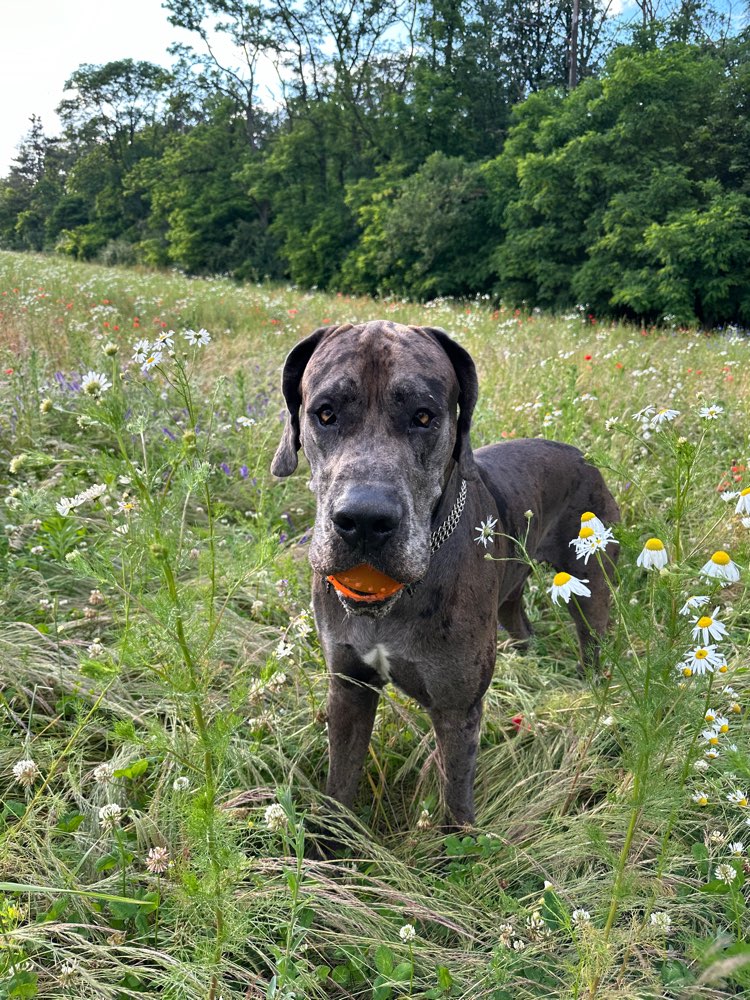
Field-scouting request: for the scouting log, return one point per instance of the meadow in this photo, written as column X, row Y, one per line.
column 162, row 692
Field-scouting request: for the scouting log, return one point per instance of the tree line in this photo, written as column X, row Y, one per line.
column 540, row 151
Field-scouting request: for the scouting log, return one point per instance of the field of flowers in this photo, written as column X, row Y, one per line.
column 162, row 692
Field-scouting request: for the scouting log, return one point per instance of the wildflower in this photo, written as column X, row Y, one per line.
column 738, row 798
column 661, row 921
column 96, row 597
column 37, row 550
column 157, row 860
column 580, row 917
column 653, row 555
column 590, row 541
column 486, row 531
column 25, row 772
column 700, row 660
column 68, row 971
column 92, row 493
column 710, row 716
column 736, row 847
column 716, row 837
column 94, row 384
column 96, row 648
column 424, row 822
column 728, row 495
column 692, row 603
column 164, row 339
column 506, row 932
column 153, row 359
column 645, row 414
column 46, row 405
column 110, row 815
column 735, row 708
column 743, row 503
column 701, row 765
column 720, row 567
column 126, row 505
column 275, row 818
column 726, row 873
column 141, row 351
column 564, row 585
column 110, row 349
column 284, row 649
column 712, row 412
column 711, row 753
column 102, row 773
column 708, row 627
column 721, row 725
column 700, row 798
column 181, row 784
column 199, row 339
column 519, row 945
column 407, row 932
column 17, row 463
column 663, row 416
column 711, row 736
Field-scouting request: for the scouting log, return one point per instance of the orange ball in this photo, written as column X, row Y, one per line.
column 365, row 583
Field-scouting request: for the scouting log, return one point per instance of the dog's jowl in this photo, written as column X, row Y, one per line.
column 401, row 589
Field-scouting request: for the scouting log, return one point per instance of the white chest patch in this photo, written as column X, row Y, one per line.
column 377, row 658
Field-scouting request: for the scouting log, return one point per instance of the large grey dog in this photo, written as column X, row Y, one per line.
column 382, row 412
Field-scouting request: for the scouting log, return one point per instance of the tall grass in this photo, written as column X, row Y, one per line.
column 162, row 681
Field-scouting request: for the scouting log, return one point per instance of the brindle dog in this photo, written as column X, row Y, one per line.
column 382, row 412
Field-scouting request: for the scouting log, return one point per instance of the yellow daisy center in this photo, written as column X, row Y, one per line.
column 742, row 802
column 702, row 801
column 687, row 672
column 588, row 516
column 585, row 532
column 561, row 579
column 709, row 716
column 705, row 622
column 654, row 545
column 713, row 740
column 701, row 654
column 723, row 668
column 745, row 492
column 721, row 558
column 724, row 728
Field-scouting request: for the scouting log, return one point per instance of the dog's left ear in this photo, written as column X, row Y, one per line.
column 468, row 386
column 285, row 460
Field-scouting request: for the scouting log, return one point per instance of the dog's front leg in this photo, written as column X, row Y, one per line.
column 457, row 734
column 351, row 715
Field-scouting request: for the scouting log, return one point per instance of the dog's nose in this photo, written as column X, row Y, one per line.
column 366, row 518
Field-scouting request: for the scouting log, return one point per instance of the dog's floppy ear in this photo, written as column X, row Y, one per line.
column 285, row 460
column 468, row 385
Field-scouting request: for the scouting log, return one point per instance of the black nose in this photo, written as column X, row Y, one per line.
column 366, row 518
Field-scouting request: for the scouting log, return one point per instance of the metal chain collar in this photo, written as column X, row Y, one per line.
column 446, row 529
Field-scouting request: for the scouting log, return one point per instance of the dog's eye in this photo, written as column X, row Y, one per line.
column 422, row 418
column 326, row 416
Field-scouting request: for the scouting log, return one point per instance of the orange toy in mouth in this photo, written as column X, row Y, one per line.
column 364, row 583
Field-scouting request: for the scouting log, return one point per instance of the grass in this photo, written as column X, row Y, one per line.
column 157, row 654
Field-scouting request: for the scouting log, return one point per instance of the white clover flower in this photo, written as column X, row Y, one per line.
column 96, row 648
column 564, row 585
column 580, row 917
column 726, row 873
column 712, row 412
column 661, row 921
column 407, row 932
column 518, row 945
column 709, row 627
column 743, row 504
column 110, row 815
column 424, row 822
column 94, row 384
column 692, row 603
column 653, row 555
column 181, row 784
column 275, row 818
column 486, row 531
column 102, row 773
column 25, row 772
column 68, row 971
column 701, row 765
column 720, row 567
column 157, row 860
column 738, row 798
column 716, row 837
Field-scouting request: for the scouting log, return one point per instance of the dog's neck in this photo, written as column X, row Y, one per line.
column 447, row 500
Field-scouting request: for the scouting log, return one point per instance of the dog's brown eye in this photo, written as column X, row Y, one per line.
column 326, row 416
column 422, row 418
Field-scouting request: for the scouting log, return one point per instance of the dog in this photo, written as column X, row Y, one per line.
column 402, row 591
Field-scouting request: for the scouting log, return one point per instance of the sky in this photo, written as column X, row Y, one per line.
column 43, row 41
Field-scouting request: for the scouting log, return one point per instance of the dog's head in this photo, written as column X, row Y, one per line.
column 380, row 411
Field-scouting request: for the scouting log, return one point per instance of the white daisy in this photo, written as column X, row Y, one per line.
column 486, row 531
column 700, row 798
column 709, row 627
column 94, row 384
column 711, row 736
column 165, row 339
column 712, row 412
column 589, row 519
column 152, row 360
column 700, row 660
column 199, row 339
column 692, row 603
column 580, row 917
column 720, row 567
column 141, row 351
column 564, row 585
column 653, row 555
column 738, row 798
column 736, row 847
column 743, row 504
column 590, row 541
column 663, row 416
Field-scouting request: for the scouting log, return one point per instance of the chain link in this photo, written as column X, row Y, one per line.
column 446, row 529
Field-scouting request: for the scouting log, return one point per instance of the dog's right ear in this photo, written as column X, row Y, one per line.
column 285, row 460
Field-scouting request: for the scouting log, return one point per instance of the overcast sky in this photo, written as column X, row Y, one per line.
column 43, row 41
